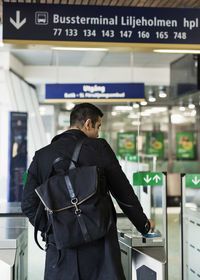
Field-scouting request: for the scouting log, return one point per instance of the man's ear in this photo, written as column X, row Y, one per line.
column 88, row 124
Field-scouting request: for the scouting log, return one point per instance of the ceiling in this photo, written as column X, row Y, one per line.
column 93, row 59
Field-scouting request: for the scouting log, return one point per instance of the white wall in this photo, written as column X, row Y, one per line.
column 4, row 60
column 5, row 106
column 16, row 65
column 52, row 74
column 152, row 76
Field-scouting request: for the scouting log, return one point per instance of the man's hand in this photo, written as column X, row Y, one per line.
column 152, row 225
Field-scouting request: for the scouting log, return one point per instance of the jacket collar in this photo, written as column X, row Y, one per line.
column 72, row 132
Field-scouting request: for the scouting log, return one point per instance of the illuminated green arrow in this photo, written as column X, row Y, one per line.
column 192, row 180
column 147, row 179
column 195, row 180
column 156, row 178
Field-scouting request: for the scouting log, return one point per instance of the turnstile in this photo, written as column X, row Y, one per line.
column 13, row 248
column 145, row 257
column 142, row 257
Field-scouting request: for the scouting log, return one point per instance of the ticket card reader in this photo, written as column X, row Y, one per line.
column 136, row 239
column 145, row 257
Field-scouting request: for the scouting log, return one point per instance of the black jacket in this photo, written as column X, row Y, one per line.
column 99, row 260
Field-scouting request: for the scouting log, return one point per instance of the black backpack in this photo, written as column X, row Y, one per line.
column 78, row 210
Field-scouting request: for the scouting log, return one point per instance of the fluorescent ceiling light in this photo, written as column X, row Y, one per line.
column 151, row 95
column 79, row 49
column 123, row 108
column 69, row 106
column 143, row 103
column 182, row 108
column 152, row 99
column 136, row 105
column 191, row 106
column 176, row 51
column 162, row 94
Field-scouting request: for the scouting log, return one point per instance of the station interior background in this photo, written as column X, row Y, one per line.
column 24, row 71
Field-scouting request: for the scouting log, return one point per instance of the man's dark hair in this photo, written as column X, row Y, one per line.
column 82, row 112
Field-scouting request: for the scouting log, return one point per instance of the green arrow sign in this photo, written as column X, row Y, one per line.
column 147, row 179
column 192, row 181
column 132, row 158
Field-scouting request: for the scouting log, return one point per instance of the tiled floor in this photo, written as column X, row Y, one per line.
column 36, row 257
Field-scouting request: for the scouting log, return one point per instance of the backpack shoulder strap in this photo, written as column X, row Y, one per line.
column 76, row 152
column 38, row 216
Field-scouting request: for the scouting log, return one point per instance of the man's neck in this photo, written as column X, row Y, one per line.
column 75, row 127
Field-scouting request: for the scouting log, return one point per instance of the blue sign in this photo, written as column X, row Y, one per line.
column 95, row 92
column 47, row 22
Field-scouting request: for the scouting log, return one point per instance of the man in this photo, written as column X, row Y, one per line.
column 100, row 259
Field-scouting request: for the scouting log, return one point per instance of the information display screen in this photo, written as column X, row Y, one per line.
column 184, row 75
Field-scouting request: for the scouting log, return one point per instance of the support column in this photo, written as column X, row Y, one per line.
column 170, row 141
column 197, row 129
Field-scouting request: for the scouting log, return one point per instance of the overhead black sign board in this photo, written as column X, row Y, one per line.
column 47, row 22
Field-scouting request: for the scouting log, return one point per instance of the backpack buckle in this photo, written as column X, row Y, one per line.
column 78, row 211
column 74, row 201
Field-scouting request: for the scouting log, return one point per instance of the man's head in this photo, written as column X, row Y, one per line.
column 86, row 117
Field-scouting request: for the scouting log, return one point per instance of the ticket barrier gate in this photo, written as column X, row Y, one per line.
column 13, row 248
column 13, row 243
column 190, row 226
column 145, row 257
